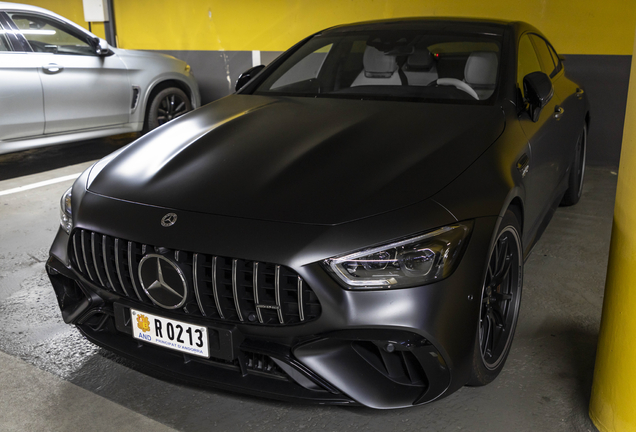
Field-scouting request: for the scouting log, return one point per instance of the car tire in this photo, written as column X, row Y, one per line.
column 166, row 105
column 577, row 172
column 499, row 302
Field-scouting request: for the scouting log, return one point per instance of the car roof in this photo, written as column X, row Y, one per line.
column 23, row 7
column 470, row 25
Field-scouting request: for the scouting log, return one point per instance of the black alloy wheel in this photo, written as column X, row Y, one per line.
column 166, row 105
column 500, row 301
column 577, row 171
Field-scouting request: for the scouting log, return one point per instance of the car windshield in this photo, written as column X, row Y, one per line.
column 415, row 65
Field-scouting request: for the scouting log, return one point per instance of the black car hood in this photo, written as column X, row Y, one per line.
column 303, row 160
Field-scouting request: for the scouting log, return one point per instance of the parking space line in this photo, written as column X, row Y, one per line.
column 39, row 184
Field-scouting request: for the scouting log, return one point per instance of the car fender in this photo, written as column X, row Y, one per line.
column 493, row 182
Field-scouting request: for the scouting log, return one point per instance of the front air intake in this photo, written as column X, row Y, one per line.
column 135, row 98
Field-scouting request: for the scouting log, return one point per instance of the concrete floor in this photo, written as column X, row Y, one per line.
column 53, row 379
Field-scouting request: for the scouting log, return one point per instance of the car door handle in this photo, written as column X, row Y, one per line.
column 52, row 68
column 579, row 93
column 558, row 112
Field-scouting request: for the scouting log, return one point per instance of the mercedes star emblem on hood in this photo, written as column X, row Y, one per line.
column 163, row 281
column 169, row 220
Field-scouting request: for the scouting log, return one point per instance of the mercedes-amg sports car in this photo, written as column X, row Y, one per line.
column 350, row 227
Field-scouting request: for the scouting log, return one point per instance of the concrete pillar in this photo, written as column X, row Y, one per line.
column 613, row 404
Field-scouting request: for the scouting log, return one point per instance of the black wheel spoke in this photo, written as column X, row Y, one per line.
column 497, row 316
column 505, row 255
column 502, row 270
column 485, row 338
column 491, row 334
column 180, row 108
column 502, row 297
column 498, row 332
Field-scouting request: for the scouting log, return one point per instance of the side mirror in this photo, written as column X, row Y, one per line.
column 538, row 90
column 246, row 76
column 101, row 47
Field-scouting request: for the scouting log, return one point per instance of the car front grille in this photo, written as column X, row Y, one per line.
column 220, row 288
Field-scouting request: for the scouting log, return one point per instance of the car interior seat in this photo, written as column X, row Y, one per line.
column 420, row 68
column 481, row 72
column 379, row 69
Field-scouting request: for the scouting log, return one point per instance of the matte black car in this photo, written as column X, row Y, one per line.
column 350, row 227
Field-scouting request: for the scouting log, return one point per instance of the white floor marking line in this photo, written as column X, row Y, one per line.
column 39, row 184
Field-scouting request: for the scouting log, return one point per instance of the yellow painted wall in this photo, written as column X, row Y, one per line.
column 573, row 26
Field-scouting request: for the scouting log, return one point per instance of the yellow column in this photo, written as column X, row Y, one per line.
column 613, row 404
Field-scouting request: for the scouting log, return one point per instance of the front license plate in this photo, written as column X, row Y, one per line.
column 168, row 333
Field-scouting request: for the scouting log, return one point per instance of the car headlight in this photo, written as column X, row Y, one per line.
column 419, row 260
column 66, row 214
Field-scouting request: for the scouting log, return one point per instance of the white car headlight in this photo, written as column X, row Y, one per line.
column 66, row 214
column 411, row 262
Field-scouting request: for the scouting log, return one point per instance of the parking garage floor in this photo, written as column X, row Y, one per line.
column 52, row 379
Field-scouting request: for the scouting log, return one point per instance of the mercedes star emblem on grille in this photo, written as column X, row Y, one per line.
column 169, row 219
column 163, row 281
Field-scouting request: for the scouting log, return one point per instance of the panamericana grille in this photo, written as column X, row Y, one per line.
column 222, row 288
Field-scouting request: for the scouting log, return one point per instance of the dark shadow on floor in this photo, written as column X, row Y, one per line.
column 42, row 159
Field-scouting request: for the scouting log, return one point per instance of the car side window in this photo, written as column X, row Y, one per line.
column 549, row 66
column 4, row 43
column 46, row 35
column 528, row 61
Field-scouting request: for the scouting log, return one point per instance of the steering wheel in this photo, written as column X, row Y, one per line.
column 461, row 85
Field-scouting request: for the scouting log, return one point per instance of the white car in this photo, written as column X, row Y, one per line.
column 60, row 83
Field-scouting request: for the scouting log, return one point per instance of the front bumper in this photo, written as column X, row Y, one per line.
column 382, row 349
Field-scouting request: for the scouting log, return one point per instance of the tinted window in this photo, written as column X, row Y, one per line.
column 47, row 35
column 528, row 61
column 390, row 64
column 304, row 70
column 4, row 43
column 544, row 54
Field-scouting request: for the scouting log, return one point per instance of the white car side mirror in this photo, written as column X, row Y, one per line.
column 102, row 48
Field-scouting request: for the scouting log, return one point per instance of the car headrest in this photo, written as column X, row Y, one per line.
column 481, row 68
column 377, row 64
column 420, row 60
